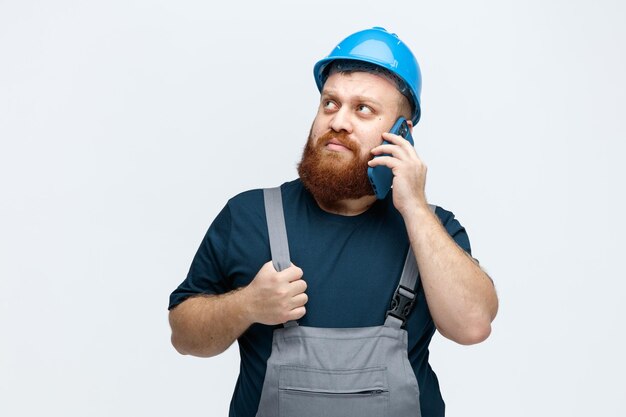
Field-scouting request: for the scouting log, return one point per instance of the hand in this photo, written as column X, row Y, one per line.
column 276, row 297
column 409, row 172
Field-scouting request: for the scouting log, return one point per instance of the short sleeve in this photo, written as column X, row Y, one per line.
column 454, row 229
column 207, row 272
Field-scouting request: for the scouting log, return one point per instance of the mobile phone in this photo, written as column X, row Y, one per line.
column 381, row 176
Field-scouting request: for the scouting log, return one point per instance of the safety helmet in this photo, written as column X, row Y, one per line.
column 379, row 47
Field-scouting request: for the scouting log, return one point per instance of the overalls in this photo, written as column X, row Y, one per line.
column 328, row 372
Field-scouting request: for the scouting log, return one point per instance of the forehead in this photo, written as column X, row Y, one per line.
column 361, row 84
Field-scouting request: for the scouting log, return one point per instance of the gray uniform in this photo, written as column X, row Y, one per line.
column 362, row 372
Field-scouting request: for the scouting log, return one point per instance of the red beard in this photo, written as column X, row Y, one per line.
column 333, row 176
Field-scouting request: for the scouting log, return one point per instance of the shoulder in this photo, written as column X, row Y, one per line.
column 255, row 196
column 251, row 202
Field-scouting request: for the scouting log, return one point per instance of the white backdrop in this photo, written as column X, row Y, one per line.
column 126, row 125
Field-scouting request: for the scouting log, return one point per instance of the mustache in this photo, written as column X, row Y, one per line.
column 341, row 137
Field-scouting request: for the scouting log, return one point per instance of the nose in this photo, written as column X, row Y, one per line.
column 342, row 120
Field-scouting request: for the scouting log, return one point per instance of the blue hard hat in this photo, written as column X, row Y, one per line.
column 379, row 47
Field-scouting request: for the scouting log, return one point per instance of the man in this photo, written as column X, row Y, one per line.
column 347, row 247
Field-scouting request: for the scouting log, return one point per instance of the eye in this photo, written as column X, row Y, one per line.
column 362, row 108
column 329, row 105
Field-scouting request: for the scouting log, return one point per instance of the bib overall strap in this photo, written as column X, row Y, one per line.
column 279, row 245
column 406, row 293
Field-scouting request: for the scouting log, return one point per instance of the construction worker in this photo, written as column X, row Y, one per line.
column 334, row 287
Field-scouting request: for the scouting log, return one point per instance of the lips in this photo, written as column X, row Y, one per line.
column 337, row 145
column 339, row 142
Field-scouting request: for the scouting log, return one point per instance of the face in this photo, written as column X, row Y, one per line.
column 355, row 109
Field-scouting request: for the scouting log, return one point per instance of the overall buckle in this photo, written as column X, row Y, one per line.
column 402, row 303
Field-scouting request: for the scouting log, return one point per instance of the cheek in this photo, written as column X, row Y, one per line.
column 371, row 142
column 365, row 151
column 317, row 129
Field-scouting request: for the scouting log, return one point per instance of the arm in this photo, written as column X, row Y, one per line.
column 461, row 297
column 207, row 325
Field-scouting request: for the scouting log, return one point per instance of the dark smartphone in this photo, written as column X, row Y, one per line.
column 380, row 176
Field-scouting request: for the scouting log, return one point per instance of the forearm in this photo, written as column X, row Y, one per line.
column 461, row 297
column 207, row 325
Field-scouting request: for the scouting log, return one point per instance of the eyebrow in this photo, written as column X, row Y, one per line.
column 358, row 98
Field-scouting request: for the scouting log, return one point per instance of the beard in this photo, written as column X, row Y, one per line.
column 334, row 176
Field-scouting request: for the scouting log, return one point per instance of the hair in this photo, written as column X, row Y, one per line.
column 347, row 66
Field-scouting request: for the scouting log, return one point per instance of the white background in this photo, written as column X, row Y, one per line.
column 126, row 125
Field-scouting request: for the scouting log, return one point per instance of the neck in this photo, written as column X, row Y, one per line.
column 350, row 207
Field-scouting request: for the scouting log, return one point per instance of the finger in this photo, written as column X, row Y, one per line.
column 299, row 300
column 268, row 267
column 293, row 273
column 296, row 313
column 396, row 139
column 393, row 150
column 388, row 161
column 384, row 148
column 297, row 287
